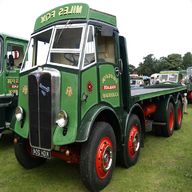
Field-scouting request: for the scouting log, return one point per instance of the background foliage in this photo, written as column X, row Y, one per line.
column 173, row 61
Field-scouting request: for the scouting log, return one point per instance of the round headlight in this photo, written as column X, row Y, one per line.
column 62, row 119
column 19, row 113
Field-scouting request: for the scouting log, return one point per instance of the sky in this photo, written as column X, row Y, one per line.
column 159, row 27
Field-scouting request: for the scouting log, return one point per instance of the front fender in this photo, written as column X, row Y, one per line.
column 88, row 121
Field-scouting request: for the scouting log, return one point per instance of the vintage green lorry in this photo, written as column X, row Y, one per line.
column 75, row 101
column 12, row 51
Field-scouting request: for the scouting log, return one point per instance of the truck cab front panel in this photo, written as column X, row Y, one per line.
column 88, row 76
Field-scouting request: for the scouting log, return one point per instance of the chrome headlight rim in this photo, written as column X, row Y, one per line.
column 19, row 113
column 62, row 119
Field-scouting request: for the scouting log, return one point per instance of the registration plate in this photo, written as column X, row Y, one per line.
column 41, row 153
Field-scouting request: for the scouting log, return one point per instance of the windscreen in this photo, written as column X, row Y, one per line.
column 66, row 46
column 37, row 50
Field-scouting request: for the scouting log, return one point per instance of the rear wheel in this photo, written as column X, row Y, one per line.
column 132, row 145
column 168, row 129
column 23, row 154
column 178, row 115
column 98, row 157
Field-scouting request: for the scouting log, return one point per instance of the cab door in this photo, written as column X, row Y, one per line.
column 109, row 67
column 14, row 56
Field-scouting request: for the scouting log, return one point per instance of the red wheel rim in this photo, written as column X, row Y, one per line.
column 104, row 157
column 171, row 120
column 133, row 141
column 179, row 115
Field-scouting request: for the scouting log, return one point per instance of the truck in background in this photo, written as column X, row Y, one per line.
column 12, row 51
column 75, row 101
column 182, row 76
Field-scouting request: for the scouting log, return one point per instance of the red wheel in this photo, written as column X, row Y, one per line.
column 131, row 150
column 170, row 121
column 178, row 115
column 133, row 141
column 98, row 157
column 104, row 157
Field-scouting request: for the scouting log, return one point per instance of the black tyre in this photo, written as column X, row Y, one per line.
column 131, row 150
column 168, row 129
column 178, row 115
column 98, row 157
column 23, row 154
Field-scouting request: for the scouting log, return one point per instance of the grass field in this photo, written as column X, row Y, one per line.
column 165, row 164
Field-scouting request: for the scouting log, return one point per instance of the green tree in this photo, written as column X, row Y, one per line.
column 175, row 61
column 162, row 64
column 148, row 65
column 187, row 60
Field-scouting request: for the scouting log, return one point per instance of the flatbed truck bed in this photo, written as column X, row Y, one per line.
column 148, row 93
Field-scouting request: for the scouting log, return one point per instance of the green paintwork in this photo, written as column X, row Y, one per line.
column 23, row 102
column 88, row 121
column 72, row 11
column 86, row 93
column 104, row 17
column 109, row 85
column 69, row 103
column 89, row 78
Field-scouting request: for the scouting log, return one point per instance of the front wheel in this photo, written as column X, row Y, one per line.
column 98, row 157
column 23, row 154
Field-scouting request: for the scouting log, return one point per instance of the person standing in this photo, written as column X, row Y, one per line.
column 185, row 102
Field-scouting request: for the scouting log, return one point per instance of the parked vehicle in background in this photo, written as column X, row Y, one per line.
column 136, row 81
column 183, row 76
column 154, row 79
column 170, row 77
column 12, row 51
column 75, row 101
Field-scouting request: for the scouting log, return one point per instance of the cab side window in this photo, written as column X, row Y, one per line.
column 106, row 48
column 15, row 54
column 90, row 48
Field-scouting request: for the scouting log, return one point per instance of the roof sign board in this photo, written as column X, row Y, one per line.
column 70, row 12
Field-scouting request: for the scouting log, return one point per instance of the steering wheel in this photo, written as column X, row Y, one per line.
column 72, row 57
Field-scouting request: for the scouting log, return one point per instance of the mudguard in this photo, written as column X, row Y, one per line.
column 89, row 119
